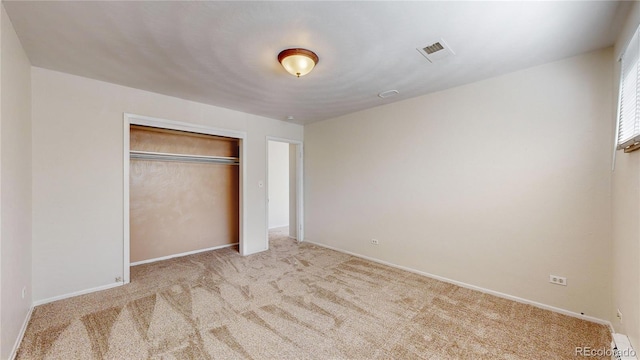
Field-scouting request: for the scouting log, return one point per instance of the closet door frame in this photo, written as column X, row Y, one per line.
column 133, row 119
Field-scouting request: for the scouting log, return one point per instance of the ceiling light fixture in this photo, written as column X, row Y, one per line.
column 298, row 62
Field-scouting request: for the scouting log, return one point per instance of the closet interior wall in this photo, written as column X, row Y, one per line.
column 184, row 192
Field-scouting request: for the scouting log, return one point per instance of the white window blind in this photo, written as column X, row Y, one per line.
column 629, row 108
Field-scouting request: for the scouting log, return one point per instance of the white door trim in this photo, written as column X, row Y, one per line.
column 132, row 119
column 299, row 187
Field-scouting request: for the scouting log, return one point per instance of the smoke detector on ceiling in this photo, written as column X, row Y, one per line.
column 388, row 93
column 437, row 51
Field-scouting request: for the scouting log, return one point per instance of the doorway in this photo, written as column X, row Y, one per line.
column 284, row 187
column 169, row 127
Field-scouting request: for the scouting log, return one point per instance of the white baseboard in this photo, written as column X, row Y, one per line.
column 278, row 227
column 14, row 352
column 109, row 286
column 473, row 287
column 76, row 293
column 182, row 254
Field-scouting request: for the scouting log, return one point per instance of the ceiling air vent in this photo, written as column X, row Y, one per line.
column 437, row 51
column 433, row 48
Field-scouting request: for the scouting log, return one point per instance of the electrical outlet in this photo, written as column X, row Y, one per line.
column 558, row 280
column 619, row 315
column 374, row 241
column 24, row 292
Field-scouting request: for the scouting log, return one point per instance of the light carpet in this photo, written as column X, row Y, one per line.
column 297, row 301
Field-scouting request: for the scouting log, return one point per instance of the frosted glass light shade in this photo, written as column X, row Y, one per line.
column 298, row 62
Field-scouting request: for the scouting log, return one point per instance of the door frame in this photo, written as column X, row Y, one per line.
column 133, row 119
column 299, row 186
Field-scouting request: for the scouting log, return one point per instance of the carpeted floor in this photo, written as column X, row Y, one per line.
column 296, row 302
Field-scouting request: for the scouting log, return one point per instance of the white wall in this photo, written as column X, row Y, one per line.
column 626, row 216
column 278, row 184
column 78, row 172
column 496, row 184
column 15, row 186
column 293, row 190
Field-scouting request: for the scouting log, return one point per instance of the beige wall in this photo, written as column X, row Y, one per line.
column 496, row 184
column 78, row 174
column 15, row 191
column 626, row 217
column 278, row 184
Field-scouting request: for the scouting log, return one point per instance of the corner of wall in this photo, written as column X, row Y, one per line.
column 15, row 184
column 626, row 211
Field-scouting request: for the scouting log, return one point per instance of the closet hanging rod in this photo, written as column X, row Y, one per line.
column 148, row 155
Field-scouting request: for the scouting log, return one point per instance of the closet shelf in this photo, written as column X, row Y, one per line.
column 149, row 155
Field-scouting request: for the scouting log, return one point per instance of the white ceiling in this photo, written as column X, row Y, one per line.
column 224, row 53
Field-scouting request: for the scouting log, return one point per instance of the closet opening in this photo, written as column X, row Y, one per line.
column 183, row 191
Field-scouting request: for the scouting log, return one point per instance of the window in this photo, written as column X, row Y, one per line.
column 629, row 98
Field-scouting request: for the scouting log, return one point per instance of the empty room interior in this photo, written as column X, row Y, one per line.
column 319, row 180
